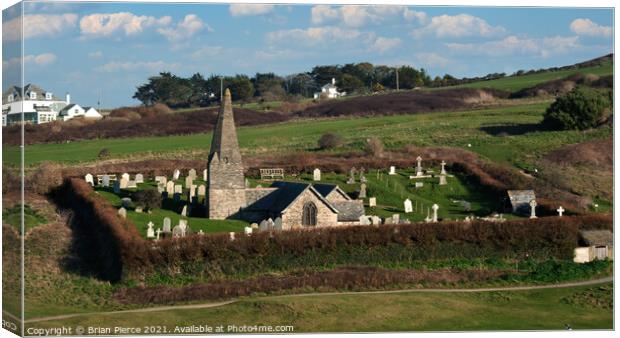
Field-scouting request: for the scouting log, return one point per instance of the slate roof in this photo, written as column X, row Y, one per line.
column 287, row 193
column 597, row 237
column 66, row 108
column 16, row 91
column 349, row 211
column 326, row 189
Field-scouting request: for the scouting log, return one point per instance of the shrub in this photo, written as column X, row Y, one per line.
column 581, row 108
column 374, row 147
column 330, row 141
column 103, row 153
column 147, row 198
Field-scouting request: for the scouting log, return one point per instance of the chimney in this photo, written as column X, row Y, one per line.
column 334, row 81
column 68, row 98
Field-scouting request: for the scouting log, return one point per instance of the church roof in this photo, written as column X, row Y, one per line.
column 224, row 142
column 349, row 210
column 286, row 194
column 326, row 189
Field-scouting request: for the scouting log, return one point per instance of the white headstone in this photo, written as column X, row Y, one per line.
column 560, row 211
column 365, row 220
column 161, row 179
column 178, row 189
column 316, row 175
column 435, row 208
column 392, row 170
column 89, row 179
column 442, row 179
column 122, row 212
column 419, row 185
column 408, row 206
column 200, row 232
column 376, row 220
column 138, row 209
column 167, row 224
column 192, row 174
column 264, row 225
column 123, row 183
column 131, row 184
column 176, row 174
column 184, row 211
column 396, row 218
column 362, row 191
column 533, row 205
column 125, row 176
column 419, row 166
column 232, row 236
column 372, row 202
column 189, row 182
column 170, row 188
column 161, row 187
column 443, row 167
column 150, row 233
column 277, row 223
column 202, row 190
column 105, row 180
column 247, row 231
column 205, row 175
column 139, row 178
column 158, row 232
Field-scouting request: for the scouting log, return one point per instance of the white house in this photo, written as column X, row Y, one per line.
column 74, row 110
column 38, row 105
column 329, row 91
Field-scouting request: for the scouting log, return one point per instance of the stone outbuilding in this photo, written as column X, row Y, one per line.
column 594, row 244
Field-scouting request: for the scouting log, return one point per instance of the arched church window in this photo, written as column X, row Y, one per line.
column 308, row 217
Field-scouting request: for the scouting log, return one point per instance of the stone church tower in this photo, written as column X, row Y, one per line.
column 226, row 194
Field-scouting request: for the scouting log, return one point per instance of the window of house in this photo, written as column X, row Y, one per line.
column 33, row 95
column 308, row 217
column 11, row 98
column 75, row 112
column 48, row 96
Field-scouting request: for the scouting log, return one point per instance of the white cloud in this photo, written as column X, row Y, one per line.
column 107, row 24
column 207, row 51
column 512, row 45
column 456, row 26
column 185, row 29
column 315, row 35
column 33, row 59
column 95, row 55
column 383, row 44
column 37, row 25
column 151, row 66
column 249, row 9
column 589, row 28
column 431, row 60
column 358, row 16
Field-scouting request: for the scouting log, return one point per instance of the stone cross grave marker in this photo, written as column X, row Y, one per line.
column 372, row 202
column 316, row 174
column 362, row 190
column 533, row 205
column 158, row 232
column 192, row 173
column 435, row 208
column 418, row 169
column 408, row 206
column 176, row 174
column 89, row 179
column 139, row 178
column 442, row 179
column 351, row 179
column 443, row 167
column 560, row 211
column 150, row 233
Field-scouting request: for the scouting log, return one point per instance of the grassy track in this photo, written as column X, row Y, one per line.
column 515, row 83
column 547, row 309
column 506, row 134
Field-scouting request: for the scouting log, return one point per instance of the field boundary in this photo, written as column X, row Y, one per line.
column 318, row 294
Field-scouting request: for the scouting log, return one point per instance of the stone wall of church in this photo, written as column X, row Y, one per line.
column 292, row 217
column 225, row 203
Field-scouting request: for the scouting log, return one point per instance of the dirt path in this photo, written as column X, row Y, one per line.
column 319, row 294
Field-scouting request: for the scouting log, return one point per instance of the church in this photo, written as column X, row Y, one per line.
column 296, row 204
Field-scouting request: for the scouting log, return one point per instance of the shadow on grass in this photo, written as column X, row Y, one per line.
column 514, row 129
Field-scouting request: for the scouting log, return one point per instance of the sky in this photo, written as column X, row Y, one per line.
column 100, row 52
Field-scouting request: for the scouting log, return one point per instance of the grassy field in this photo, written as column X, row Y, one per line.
column 32, row 218
column 515, row 83
column 506, row 134
column 548, row 309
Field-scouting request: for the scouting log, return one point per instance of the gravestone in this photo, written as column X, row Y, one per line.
column 122, row 212
column 117, row 187
column 264, row 225
column 232, row 236
column 205, row 175
column 316, row 175
column 126, row 202
column 105, row 181
column 277, row 224
column 376, row 220
column 443, row 167
column 188, row 182
column 254, row 225
column 161, row 187
column 372, row 202
column 435, row 208
column 125, row 176
column 89, row 179
column 200, row 232
column 270, row 223
column 192, row 174
column 362, row 191
column 178, row 189
column 138, row 209
column 362, row 176
column 139, row 178
column 442, row 179
column 419, row 185
column 123, row 183
column 533, row 205
column 392, row 170
column 161, row 179
column 408, row 206
column 560, row 211
column 365, row 220
column 150, row 232
column 351, row 179
column 202, row 190
column 131, row 184
column 389, row 220
column 176, row 174
column 184, row 211
column 167, row 224
column 396, row 218
column 247, row 231
column 170, row 188
column 158, row 232
column 418, row 168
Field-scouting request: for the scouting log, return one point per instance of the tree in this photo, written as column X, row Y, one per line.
column 241, row 88
column 269, row 86
column 148, row 198
column 330, row 141
column 581, row 108
column 351, row 84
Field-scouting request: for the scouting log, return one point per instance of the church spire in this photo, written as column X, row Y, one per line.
column 224, row 145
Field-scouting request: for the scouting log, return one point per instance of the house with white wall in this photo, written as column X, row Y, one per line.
column 38, row 105
column 329, row 91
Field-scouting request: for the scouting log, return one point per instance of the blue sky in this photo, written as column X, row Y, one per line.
column 105, row 50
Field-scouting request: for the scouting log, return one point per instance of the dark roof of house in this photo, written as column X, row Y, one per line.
column 66, row 108
column 326, row 189
column 287, row 193
column 29, row 88
column 597, row 237
column 349, row 210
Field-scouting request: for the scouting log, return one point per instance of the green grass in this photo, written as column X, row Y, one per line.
column 520, row 145
column 32, row 218
column 515, row 83
column 548, row 309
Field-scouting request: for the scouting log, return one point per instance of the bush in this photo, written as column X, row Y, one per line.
column 103, row 153
column 330, row 141
column 581, row 108
column 148, row 198
column 374, row 147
